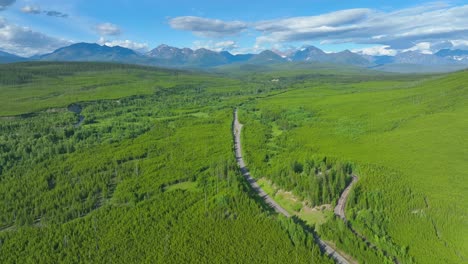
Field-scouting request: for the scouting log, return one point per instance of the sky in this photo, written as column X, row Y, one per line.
column 31, row 27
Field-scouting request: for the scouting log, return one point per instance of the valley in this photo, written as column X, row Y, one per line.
column 173, row 132
column 153, row 166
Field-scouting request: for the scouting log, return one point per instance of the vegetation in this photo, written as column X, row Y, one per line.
column 119, row 163
column 145, row 178
column 402, row 136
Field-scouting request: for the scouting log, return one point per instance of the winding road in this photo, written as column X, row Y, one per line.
column 340, row 212
column 340, row 207
column 236, row 130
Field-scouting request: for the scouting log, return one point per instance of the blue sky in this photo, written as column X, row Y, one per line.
column 29, row 27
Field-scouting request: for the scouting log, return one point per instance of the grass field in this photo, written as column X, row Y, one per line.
column 59, row 84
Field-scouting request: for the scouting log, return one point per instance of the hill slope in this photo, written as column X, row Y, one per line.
column 406, row 141
column 6, row 57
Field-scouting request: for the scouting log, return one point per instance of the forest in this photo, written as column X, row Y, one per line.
column 404, row 140
column 103, row 162
column 143, row 178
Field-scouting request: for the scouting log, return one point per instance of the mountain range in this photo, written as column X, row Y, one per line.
column 168, row 56
column 6, row 57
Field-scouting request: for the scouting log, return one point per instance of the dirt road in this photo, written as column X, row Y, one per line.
column 237, row 127
column 340, row 207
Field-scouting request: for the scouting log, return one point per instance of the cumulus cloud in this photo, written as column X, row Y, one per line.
column 377, row 51
column 249, row 50
column 206, row 27
column 140, row 47
column 5, row 3
column 108, row 29
column 227, row 45
column 35, row 10
column 422, row 47
column 31, row 9
column 459, row 43
column 26, row 42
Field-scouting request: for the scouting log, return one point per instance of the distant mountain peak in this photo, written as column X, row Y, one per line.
column 168, row 56
column 90, row 52
column 205, row 50
column 266, row 57
column 6, row 54
column 309, row 47
column 268, row 52
column 347, row 51
column 6, row 57
column 309, row 53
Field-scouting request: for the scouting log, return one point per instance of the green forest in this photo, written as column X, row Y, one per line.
column 403, row 138
column 114, row 163
column 147, row 177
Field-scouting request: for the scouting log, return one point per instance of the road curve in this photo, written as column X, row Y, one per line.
column 236, row 130
column 340, row 207
column 340, row 212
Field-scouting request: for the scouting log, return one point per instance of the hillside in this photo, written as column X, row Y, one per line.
column 6, row 57
column 405, row 141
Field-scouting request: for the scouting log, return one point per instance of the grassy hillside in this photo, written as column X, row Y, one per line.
column 406, row 141
column 29, row 87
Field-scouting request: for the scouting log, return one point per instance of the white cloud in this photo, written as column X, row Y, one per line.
column 108, row 29
column 206, row 27
column 312, row 27
column 377, row 51
column 423, row 47
column 460, row 43
column 399, row 29
column 24, row 41
column 313, row 23
column 253, row 50
column 31, row 9
column 35, row 10
column 227, row 45
column 140, row 47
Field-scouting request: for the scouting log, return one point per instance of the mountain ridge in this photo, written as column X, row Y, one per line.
column 173, row 57
column 6, row 57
